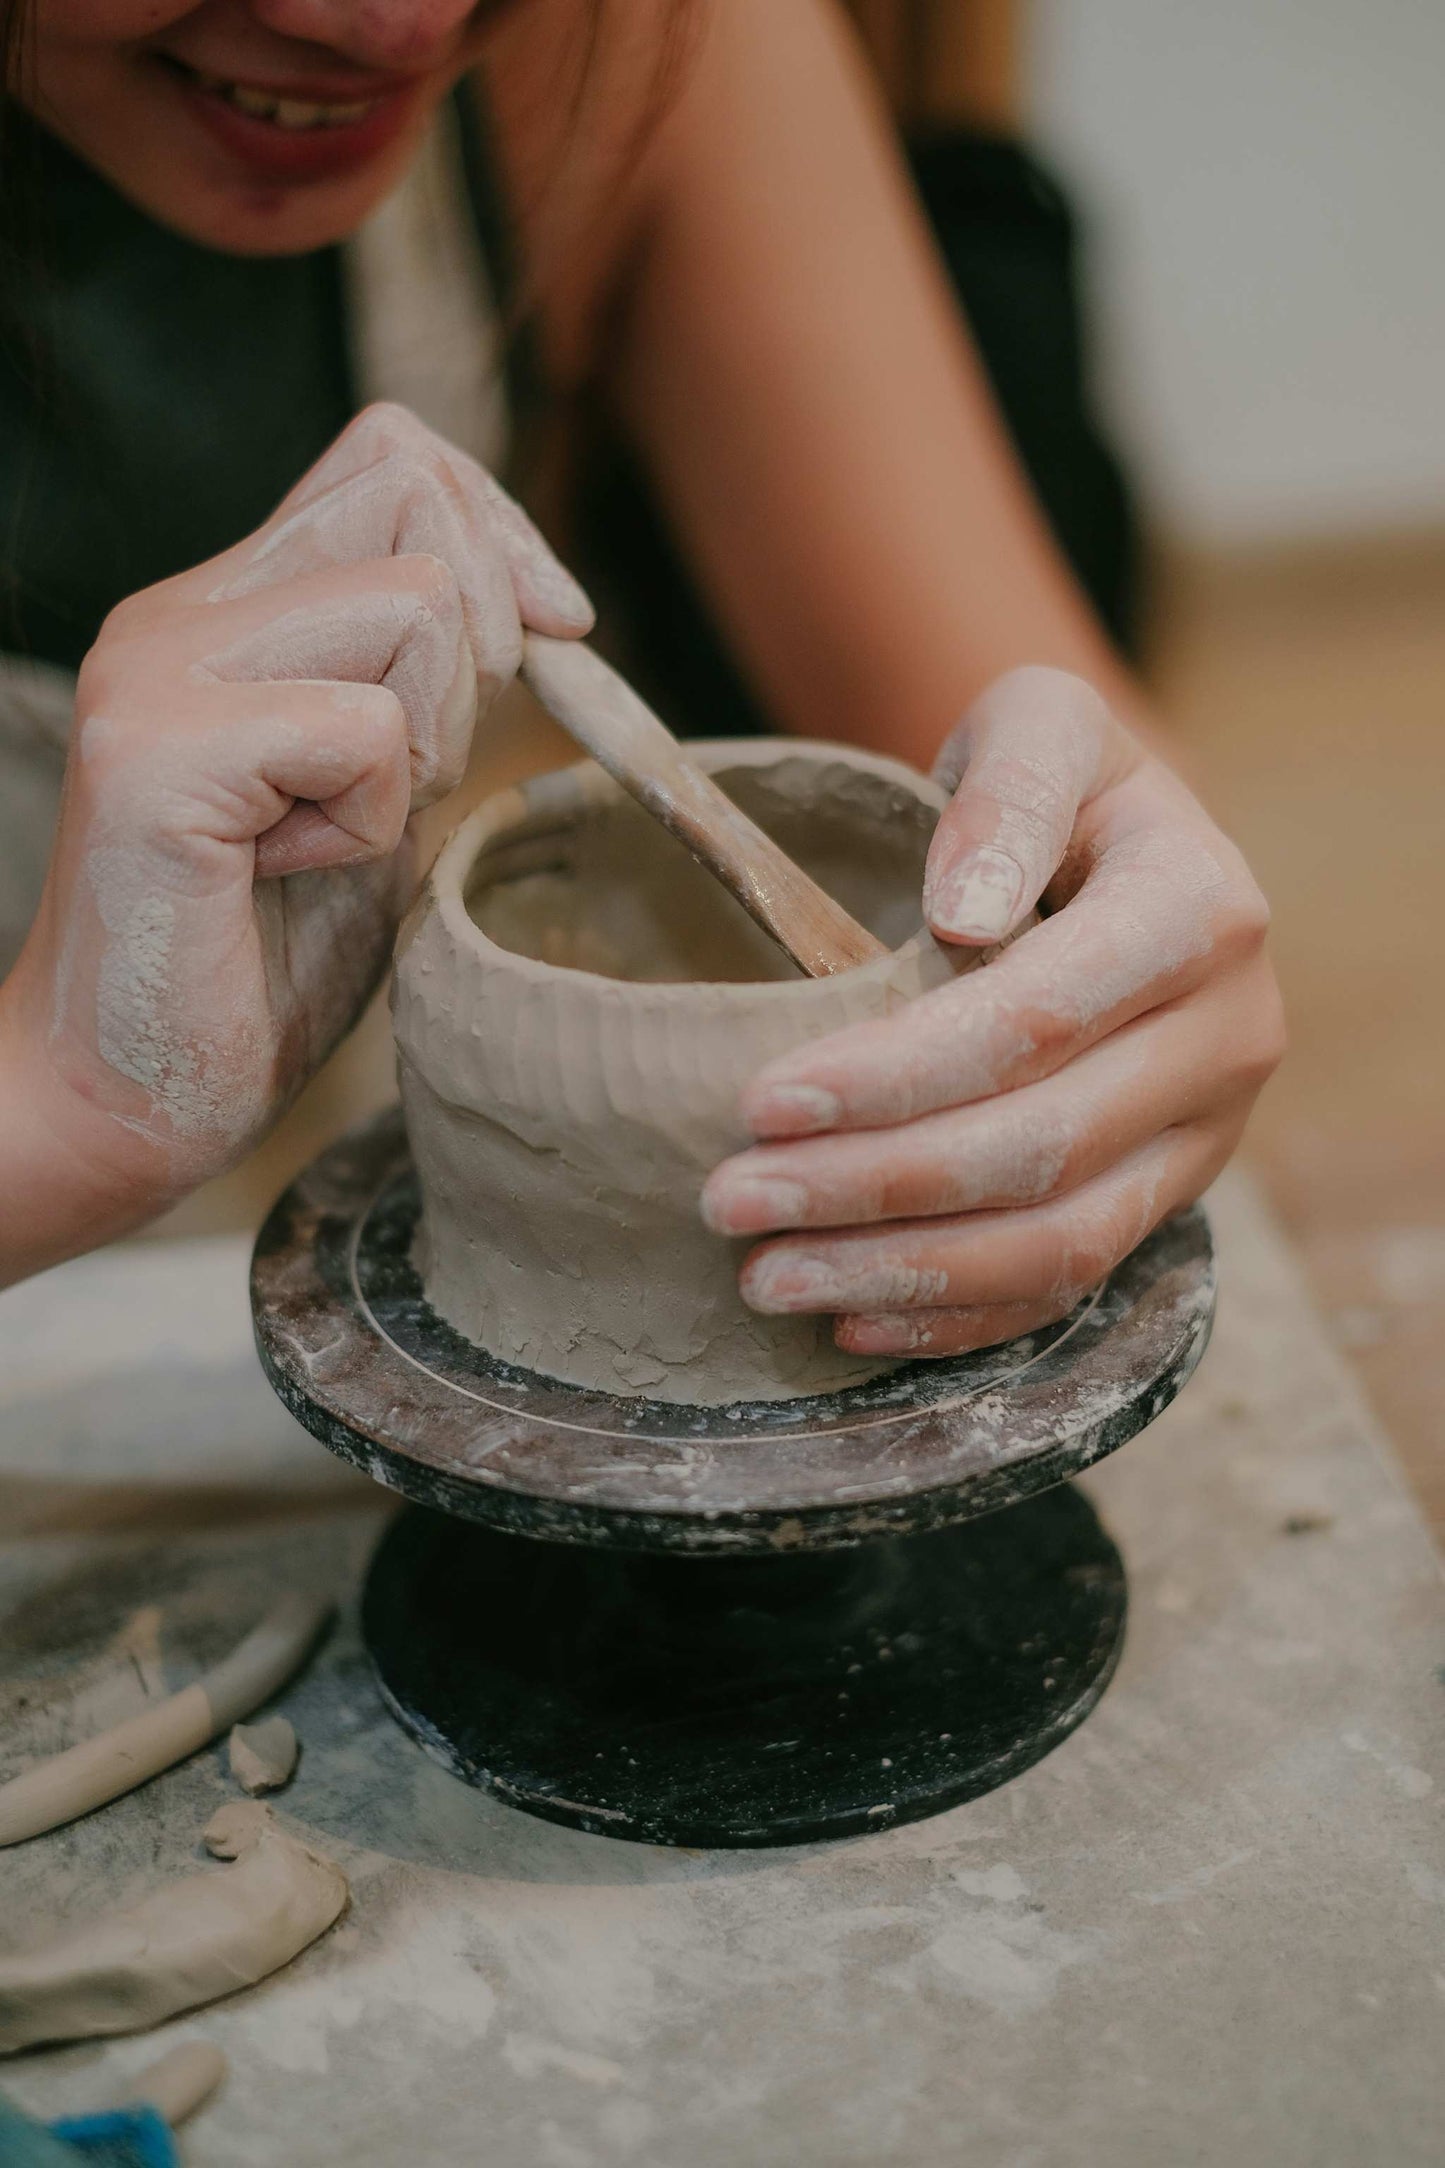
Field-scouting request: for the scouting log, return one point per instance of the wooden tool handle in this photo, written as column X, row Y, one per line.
column 602, row 712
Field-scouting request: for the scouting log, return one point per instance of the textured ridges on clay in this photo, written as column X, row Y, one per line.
column 562, row 1123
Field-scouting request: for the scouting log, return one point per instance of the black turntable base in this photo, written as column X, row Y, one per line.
column 721, row 1626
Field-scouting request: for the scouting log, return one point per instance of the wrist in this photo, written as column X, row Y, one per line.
column 73, row 1174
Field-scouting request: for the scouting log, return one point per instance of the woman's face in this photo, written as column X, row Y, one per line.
column 262, row 127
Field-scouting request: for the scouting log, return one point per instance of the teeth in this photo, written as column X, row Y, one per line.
column 297, row 113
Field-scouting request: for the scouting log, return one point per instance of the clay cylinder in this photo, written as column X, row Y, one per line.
column 577, row 1007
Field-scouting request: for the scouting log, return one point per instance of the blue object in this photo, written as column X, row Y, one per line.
column 137, row 2137
column 117, row 2138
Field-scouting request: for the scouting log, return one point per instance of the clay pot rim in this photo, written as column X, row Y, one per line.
column 560, row 795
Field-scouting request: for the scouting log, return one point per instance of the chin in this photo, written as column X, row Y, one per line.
column 268, row 219
column 243, row 217
column 234, row 186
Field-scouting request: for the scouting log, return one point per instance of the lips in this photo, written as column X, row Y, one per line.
column 280, row 135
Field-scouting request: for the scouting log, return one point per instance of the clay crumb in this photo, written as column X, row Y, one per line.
column 235, row 1828
column 262, row 1756
column 182, row 2081
column 61, row 1787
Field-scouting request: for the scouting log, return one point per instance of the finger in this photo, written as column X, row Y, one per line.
column 394, row 622
column 390, row 485
column 946, row 1332
column 314, row 775
column 335, row 929
column 549, row 598
column 1159, row 910
column 1029, row 751
column 1049, row 1251
column 399, row 509
column 1015, row 1149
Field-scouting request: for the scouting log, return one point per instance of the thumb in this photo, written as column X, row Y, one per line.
column 548, row 598
column 1028, row 752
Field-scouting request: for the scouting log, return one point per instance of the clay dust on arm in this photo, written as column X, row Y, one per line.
column 232, row 858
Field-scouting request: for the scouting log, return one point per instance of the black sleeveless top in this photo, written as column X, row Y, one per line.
column 157, row 397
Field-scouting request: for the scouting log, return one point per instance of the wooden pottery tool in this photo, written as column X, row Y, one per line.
column 600, row 710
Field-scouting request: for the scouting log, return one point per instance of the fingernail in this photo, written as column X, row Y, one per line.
column 749, row 1204
column 780, row 1284
column 555, row 589
column 978, row 899
column 792, row 1110
column 882, row 1335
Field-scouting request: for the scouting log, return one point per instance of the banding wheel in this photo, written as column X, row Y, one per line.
column 761, row 1624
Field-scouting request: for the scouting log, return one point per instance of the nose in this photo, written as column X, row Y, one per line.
column 390, row 34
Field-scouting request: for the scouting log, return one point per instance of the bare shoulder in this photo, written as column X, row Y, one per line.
column 612, row 118
column 586, row 101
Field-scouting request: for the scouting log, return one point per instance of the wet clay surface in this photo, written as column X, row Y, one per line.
column 617, row 895
column 578, row 1009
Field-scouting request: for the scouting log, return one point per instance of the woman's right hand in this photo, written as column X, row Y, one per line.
column 231, row 863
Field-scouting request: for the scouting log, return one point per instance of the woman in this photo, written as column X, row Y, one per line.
column 714, row 230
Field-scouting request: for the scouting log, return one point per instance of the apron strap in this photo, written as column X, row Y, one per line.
column 424, row 320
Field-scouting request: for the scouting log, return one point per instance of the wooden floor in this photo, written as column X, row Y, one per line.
column 1308, row 694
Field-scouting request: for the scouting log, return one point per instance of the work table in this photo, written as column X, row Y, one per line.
column 1209, row 1928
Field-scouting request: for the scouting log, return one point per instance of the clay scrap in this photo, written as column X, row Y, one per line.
column 84, row 1777
column 185, row 1944
column 235, row 1827
column 262, row 1756
column 179, row 2082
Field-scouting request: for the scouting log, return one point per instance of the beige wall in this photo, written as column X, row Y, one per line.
column 1267, row 179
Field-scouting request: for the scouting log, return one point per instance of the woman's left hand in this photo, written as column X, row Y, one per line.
column 967, row 1169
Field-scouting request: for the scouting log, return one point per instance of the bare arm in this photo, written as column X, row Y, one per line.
column 794, row 369
column 785, row 352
